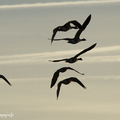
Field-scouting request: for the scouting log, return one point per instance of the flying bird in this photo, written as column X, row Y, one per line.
column 56, row 74
column 74, row 40
column 1, row 76
column 66, row 82
column 67, row 26
column 74, row 59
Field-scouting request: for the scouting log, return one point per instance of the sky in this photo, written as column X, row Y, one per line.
column 25, row 51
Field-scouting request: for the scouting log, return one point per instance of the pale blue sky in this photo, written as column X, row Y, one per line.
column 25, row 51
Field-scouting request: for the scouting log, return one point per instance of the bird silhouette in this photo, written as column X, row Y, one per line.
column 56, row 74
column 1, row 76
column 74, row 40
column 66, row 82
column 67, row 26
column 74, row 59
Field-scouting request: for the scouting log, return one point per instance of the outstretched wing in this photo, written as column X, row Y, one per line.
column 86, row 22
column 67, row 39
column 67, row 24
column 57, row 60
column 54, row 33
column 74, row 70
column 77, row 35
column 1, row 76
column 78, row 81
column 76, row 23
column 58, row 88
column 85, row 50
column 54, row 79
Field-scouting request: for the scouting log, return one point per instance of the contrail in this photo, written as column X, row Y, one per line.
column 49, row 4
column 42, row 58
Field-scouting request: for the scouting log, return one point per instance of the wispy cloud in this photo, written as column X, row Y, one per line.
column 103, row 77
column 41, row 58
column 110, row 58
column 57, row 4
column 107, row 49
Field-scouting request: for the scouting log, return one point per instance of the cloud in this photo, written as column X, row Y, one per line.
column 115, row 58
column 49, row 4
column 107, row 49
column 103, row 77
column 42, row 58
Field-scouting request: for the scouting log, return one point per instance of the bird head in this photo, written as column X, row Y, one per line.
column 79, row 59
column 83, row 39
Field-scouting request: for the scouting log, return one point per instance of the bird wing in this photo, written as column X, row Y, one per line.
column 85, row 50
column 78, row 81
column 76, row 23
column 1, row 76
column 67, row 39
column 67, row 24
column 57, row 60
column 58, row 88
column 54, row 33
column 54, row 79
column 77, row 35
column 86, row 22
column 74, row 70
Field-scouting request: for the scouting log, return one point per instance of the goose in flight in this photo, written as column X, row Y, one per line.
column 74, row 59
column 56, row 74
column 74, row 40
column 67, row 26
column 66, row 82
column 1, row 76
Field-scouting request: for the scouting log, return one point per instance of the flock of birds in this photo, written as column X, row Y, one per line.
column 75, row 40
column 67, row 26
